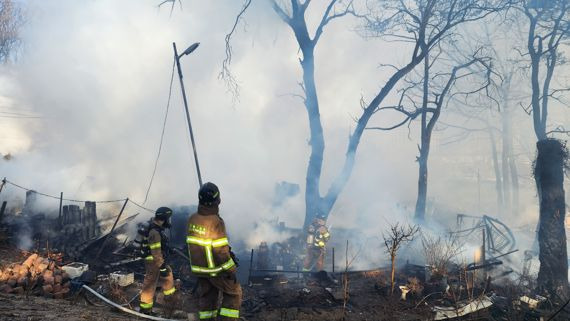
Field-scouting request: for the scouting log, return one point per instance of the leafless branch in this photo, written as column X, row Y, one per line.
column 226, row 74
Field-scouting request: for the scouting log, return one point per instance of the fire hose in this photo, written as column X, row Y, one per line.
column 115, row 305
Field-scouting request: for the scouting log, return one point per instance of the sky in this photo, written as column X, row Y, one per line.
column 97, row 72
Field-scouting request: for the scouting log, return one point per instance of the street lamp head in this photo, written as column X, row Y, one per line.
column 190, row 49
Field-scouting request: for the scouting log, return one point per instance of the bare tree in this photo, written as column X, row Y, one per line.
column 548, row 29
column 439, row 252
column 393, row 240
column 494, row 111
column 11, row 20
column 422, row 23
column 436, row 89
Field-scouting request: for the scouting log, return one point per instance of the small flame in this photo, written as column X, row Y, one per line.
column 478, row 255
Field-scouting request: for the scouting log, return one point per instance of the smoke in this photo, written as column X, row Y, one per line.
column 97, row 73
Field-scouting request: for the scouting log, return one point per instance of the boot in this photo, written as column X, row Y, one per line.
column 147, row 311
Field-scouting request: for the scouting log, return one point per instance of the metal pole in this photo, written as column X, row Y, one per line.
column 2, row 209
column 60, row 206
column 112, row 229
column 177, row 58
column 3, row 183
column 333, row 260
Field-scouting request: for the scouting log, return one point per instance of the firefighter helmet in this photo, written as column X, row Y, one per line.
column 209, row 194
column 163, row 214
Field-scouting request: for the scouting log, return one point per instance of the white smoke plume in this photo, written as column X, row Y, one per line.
column 98, row 72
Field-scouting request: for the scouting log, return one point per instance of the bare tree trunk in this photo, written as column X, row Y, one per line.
column 549, row 175
column 515, row 181
column 505, row 156
column 393, row 273
column 498, row 180
column 317, row 142
column 422, row 186
column 424, row 149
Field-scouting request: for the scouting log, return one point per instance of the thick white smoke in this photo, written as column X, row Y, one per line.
column 98, row 74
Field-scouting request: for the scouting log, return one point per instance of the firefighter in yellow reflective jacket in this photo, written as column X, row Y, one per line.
column 317, row 238
column 154, row 247
column 212, row 260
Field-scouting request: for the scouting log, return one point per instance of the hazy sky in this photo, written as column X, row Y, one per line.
column 98, row 74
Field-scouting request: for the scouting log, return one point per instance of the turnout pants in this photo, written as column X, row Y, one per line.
column 315, row 259
column 151, row 280
column 210, row 290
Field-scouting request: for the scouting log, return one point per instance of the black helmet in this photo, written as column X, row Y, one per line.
column 163, row 214
column 320, row 214
column 209, row 194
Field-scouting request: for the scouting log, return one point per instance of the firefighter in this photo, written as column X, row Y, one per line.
column 212, row 259
column 317, row 238
column 154, row 248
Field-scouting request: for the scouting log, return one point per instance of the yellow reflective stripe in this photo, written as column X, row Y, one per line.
column 209, row 256
column 230, row 313
column 198, row 229
column 145, row 305
column 169, row 291
column 229, row 264
column 208, row 314
column 220, row 242
column 198, row 241
column 154, row 246
column 326, row 234
column 149, row 258
column 199, row 269
column 207, row 242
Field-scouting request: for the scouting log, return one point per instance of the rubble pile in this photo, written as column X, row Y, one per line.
column 36, row 276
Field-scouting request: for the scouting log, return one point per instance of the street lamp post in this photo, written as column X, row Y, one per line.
column 177, row 59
